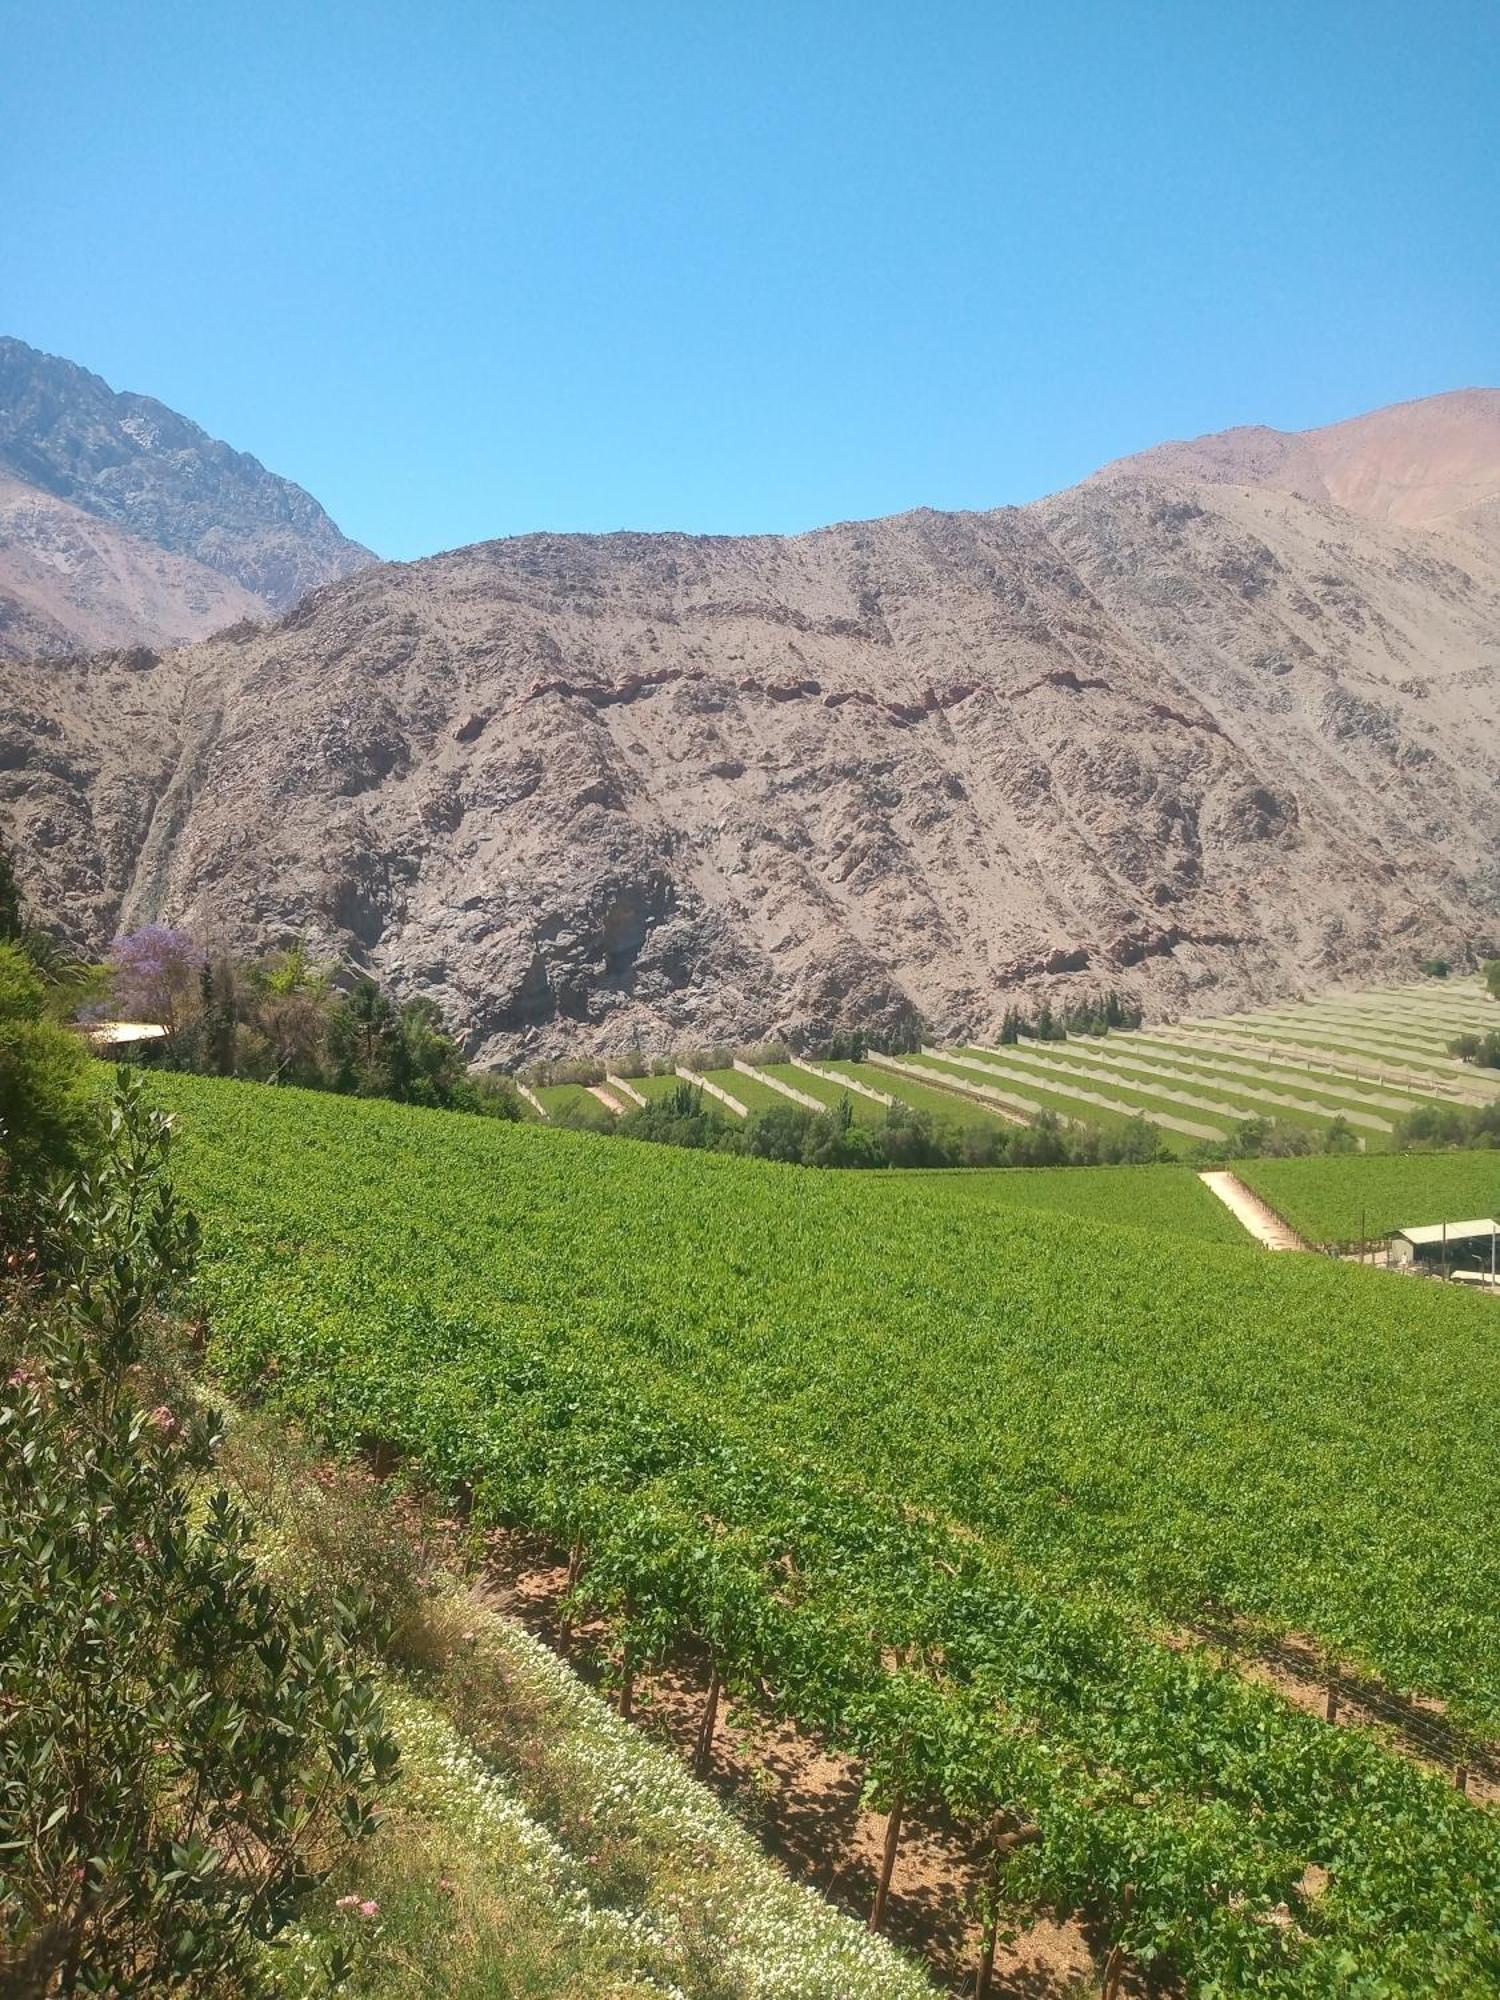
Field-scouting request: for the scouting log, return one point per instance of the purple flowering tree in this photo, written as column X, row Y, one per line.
column 156, row 973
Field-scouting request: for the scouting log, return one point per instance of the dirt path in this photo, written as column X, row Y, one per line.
column 1262, row 1221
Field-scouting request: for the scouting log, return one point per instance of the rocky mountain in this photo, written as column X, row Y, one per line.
column 71, row 581
column 1209, row 739
column 122, row 523
column 1417, row 465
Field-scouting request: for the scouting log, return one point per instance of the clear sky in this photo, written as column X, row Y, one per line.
column 476, row 267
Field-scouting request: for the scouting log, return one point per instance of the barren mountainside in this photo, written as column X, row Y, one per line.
column 1208, row 738
column 123, row 523
column 1417, row 465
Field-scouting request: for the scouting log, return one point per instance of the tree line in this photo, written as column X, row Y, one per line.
column 278, row 1018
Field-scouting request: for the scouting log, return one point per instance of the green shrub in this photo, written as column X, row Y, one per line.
column 45, row 1108
column 185, row 1755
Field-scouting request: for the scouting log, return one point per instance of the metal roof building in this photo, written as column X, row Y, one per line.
column 1468, row 1246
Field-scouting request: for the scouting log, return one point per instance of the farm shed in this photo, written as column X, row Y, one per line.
column 1451, row 1246
column 123, row 1034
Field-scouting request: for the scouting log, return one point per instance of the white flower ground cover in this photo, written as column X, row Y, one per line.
column 775, row 1940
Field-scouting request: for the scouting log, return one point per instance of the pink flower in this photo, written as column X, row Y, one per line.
column 164, row 1420
column 369, row 1909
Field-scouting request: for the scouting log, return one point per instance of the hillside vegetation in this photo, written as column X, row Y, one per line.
column 752, row 1401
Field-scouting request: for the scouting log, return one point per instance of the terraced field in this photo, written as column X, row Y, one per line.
column 754, row 1095
column 1366, row 1059
column 560, row 1098
column 653, row 1087
column 951, row 1107
column 1066, row 1082
column 864, row 1110
column 947, row 1482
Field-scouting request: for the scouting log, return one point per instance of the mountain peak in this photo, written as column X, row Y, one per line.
column 1420, row 464
column 129, row 460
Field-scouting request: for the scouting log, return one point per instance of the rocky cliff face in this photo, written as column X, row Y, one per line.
column 1208, row 741
column 123, row 523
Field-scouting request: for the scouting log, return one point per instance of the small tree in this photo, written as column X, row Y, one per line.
column 156, row 975
column 45, row 1111
column 185, row 1755
column 12, row 910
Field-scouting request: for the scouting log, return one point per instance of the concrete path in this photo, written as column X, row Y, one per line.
column 1263, row 1223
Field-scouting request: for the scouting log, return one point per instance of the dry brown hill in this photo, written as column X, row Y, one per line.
column 1211, row 741
column 1417, row 465
column 70, row 581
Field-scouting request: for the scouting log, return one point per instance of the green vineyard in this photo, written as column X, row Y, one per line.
column 1354, row 1200
column 958, row 1482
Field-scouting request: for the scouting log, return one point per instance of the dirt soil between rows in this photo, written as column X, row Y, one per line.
column 804, row 1804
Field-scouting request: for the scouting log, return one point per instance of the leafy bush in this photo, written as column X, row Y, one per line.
column 1440, row 1127
column 581, row 1069
column 45, row 1109
column 184, row 1754
column 1481, row 1050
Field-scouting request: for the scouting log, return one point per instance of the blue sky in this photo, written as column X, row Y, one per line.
column 474, row 269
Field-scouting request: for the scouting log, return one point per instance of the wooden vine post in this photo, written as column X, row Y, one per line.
column 575, row 1570
column 1004, row 1846
column 887, row 1863
column 1114, row 1965
column 704, row 1749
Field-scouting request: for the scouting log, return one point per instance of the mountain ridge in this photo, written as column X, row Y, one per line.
column 1418, row 463
column 1210, row 741
column 242, row 540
